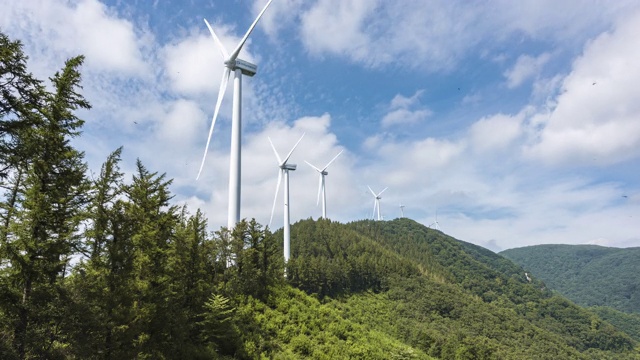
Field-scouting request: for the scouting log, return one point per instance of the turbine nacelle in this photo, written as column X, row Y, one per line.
column 246, row 67
column 291, row 167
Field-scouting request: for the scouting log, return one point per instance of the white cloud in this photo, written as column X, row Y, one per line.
column 595, row 120
column 435, row 34
column 338, row 25
column 525, row 68
column 193, row 65
column 280, row 15
column 87, row 28
column 405, row 110
column 496, row 132
column 183, row 123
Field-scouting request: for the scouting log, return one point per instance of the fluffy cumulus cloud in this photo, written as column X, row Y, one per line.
column 435, row 34
column 182, row 124
column 335, row 26
column 405, row 110
column 496, row 132
column 85, row 27
column 595, row 120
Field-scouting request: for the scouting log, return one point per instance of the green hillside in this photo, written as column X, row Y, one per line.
column 426, row 286
column 588, row 275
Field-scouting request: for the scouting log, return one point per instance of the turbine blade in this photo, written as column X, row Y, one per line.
column 236, row 52
column 223, row 88
column 275, row 151
column 380, row 193
column 223, row 51
column 275, row 197
column 291, row 152
column 335, row 157
column 308, row 163
column 372, row 193
column 319, row 188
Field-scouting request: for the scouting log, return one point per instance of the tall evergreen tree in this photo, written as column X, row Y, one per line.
column 153, row 221
column 43, row 215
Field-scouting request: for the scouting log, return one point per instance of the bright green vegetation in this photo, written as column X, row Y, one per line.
column 105, row 267
column 589, row 275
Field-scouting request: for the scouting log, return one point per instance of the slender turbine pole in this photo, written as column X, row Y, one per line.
column 287, row 222
column 235, row 158
column 324, row 196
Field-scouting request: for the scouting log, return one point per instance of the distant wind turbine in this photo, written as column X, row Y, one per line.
column 284, row 172
column 376, row 202
column 401, row 210
column 435, row 224
column 239, row 68
column 321, row 190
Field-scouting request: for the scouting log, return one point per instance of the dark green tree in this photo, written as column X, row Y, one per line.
column 43, row 215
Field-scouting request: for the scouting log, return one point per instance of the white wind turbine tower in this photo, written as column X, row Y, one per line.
column 321, row 190
column 239, row 68
column 401, row 210
column 376, row 202
column 435, row 224
column 284, row 172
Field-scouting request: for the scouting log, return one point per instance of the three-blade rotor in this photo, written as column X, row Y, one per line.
column 229, row 60
column 322, row 173
column 282, row 165
column 376, row 201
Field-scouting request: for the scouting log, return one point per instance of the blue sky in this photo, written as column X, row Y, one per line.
column 518, row 122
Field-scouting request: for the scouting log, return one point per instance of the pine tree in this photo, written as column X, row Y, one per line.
column 43, row 214
column 153, row 223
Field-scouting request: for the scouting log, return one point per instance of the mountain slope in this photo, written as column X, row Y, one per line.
column 443, row 297
column 588, row 275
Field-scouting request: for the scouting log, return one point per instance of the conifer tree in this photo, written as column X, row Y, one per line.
column 153, row 222
column 43, row 214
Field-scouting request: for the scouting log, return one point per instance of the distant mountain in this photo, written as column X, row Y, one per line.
column 589, row 275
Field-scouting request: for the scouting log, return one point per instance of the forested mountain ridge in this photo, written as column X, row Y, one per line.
column 589, row 275
column 457, row 282
column 108, row 267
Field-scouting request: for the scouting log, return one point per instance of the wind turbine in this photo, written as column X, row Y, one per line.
column 376, row 202
column 239, row 68
column 323, row 172
column 284, row 172
column 401, row 210
column 435, row 224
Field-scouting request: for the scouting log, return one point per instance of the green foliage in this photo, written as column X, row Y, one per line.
column 629, row 323
column 587, row 274
column 329, row 259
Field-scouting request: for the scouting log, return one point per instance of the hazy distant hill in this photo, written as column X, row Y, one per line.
column 589, row 275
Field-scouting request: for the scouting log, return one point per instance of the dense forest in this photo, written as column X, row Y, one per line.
column 601, row 278
column 589, row 275
column 109, row 268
